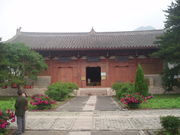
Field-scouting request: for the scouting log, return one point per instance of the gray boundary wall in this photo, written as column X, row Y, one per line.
column 39, row 87
column 155, row 84
column 42, row 82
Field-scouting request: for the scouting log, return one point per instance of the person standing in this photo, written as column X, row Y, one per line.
column 21, row 106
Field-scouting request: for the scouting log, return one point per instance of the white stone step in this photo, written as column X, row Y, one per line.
column 93, row 91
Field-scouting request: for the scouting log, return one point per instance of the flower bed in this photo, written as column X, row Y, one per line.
column 6, row 117
column 133, row 100
column 42, row 102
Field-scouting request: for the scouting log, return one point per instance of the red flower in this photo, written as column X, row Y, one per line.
column 132, row 98
column 41, row 100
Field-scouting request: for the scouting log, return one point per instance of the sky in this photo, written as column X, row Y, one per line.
column 80, row 15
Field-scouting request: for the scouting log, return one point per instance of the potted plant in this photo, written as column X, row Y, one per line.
column 4, row 87
column 14, row 85
column 27, row 86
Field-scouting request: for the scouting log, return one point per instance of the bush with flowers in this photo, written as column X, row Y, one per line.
column 6, row 117
column 42, row 102
column 133, row 100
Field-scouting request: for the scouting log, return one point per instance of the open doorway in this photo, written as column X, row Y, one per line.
column 93, row 76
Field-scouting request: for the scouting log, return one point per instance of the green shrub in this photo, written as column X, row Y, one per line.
column 60, row 91
column 141, row 85
column 71, row 86
column 123, row 89
column 116, row 86
column 127, row 88
column 171, row 124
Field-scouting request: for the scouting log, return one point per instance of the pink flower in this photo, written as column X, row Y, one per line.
column 46, row 102
column 8, row 111
column 13, row 120
column 41, row 100
column 37, row 99
column 3, row 125
column 132, row 98
column 12, row 115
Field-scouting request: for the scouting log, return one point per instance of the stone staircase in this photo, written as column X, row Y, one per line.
column 94, row 91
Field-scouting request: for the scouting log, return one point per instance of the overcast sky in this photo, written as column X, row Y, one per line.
column 79, row 15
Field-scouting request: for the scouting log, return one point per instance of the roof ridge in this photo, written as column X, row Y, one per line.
column 87, row 33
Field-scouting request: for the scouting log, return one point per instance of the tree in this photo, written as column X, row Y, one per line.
column 3, row 65
column 20, row 64
column 140, row 83
column 168, row 80
column 169, row 44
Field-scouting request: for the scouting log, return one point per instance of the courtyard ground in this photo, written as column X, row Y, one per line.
column 94, row 115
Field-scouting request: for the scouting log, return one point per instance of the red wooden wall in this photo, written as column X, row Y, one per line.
column 75, row 71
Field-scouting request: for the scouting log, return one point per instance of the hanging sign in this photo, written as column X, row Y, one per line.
column 103, row 78
column 103, row 73
column 83, row 78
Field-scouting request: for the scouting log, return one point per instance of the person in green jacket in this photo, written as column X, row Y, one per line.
column 20, row 109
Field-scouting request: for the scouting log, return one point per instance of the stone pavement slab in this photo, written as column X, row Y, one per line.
column 74, row 105
column 45, row 133
column 116, row 133
column 90, row 103
column 105, row 103
column 80, row 133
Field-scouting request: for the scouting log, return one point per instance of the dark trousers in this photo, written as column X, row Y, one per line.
column 20, row 124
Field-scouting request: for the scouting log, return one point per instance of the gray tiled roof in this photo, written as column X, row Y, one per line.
column 89, row 40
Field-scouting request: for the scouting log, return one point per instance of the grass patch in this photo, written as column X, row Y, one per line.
column 164, row 101
column 9, row 132
column 8, row 103
column 162, row 132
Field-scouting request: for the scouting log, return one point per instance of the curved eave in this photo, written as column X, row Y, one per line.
column 78, row 49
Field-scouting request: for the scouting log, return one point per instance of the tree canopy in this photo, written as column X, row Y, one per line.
column 169, row 43
column 18, row 63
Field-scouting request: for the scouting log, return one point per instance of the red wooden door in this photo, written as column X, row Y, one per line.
column 120, row 74
column 65, row 74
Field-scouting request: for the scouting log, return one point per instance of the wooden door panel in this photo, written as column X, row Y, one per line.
column 65, row 74
column 120, row 74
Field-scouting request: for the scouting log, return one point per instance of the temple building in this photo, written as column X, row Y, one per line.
column 95, row 59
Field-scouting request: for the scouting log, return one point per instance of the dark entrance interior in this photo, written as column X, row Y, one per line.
column 93, row 76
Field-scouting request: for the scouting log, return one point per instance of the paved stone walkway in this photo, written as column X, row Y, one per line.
column 90, row 120
column 85, row 133
column 97, row 120
column 80, row 104
column 74, row 105
column 106, row 104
